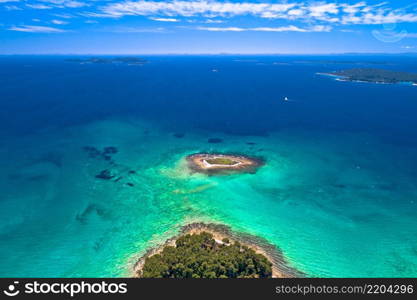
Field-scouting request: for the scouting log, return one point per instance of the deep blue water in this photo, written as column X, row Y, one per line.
column 243, row 98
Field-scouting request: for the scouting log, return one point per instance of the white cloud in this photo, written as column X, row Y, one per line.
column 65, row 3
column 222, row 28
column 290, row 28
column 64, row 16
column 49, row 4
column 353, row 8
column 59, row 22
column 326, row 12
column 211, row 21
column 39, row 6
column 191, row 8
column 136, row 30
column 12, row 7
column 164, row 19
column 40, row 29
column 321, row 10
column 349, row 31
column 297, row 12
column 408, row 47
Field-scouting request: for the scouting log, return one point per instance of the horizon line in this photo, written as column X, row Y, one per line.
column 213, row 54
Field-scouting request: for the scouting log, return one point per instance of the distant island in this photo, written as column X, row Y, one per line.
column 213, row 251
column 341, row 62
column 374, row 76
column 108, row 60
column 213, row 163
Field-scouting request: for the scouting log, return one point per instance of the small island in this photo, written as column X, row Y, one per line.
column 213, row 251
column 212, row 163
column 201, row 256
column 130, row 60
column 374, row 76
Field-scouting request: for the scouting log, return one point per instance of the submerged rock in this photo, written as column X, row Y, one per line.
column 92, row 151
column 90, row 209
column 105, row 154
column 179, row 135
column 214, row 140
column 54, row 158
column 106, row 157
column 110, row 150
column 105, row 174
column 118, row 179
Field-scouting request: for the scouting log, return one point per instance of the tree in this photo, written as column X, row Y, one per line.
column 200, row 256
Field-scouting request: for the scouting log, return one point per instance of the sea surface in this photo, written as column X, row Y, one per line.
column 338, row 193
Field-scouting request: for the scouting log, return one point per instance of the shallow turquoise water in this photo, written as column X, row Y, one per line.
column 337, row 195
column 315, row 199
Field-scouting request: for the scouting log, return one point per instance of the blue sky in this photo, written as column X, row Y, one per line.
column 206, row 26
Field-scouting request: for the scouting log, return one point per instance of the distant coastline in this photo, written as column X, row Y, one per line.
column 370, row 75
column 129, row 60
column 280, row 267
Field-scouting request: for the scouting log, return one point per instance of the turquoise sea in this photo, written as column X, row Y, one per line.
column 337, row 195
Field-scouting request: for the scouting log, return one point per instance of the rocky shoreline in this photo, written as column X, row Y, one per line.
column 280, row 267
column 215, row 163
